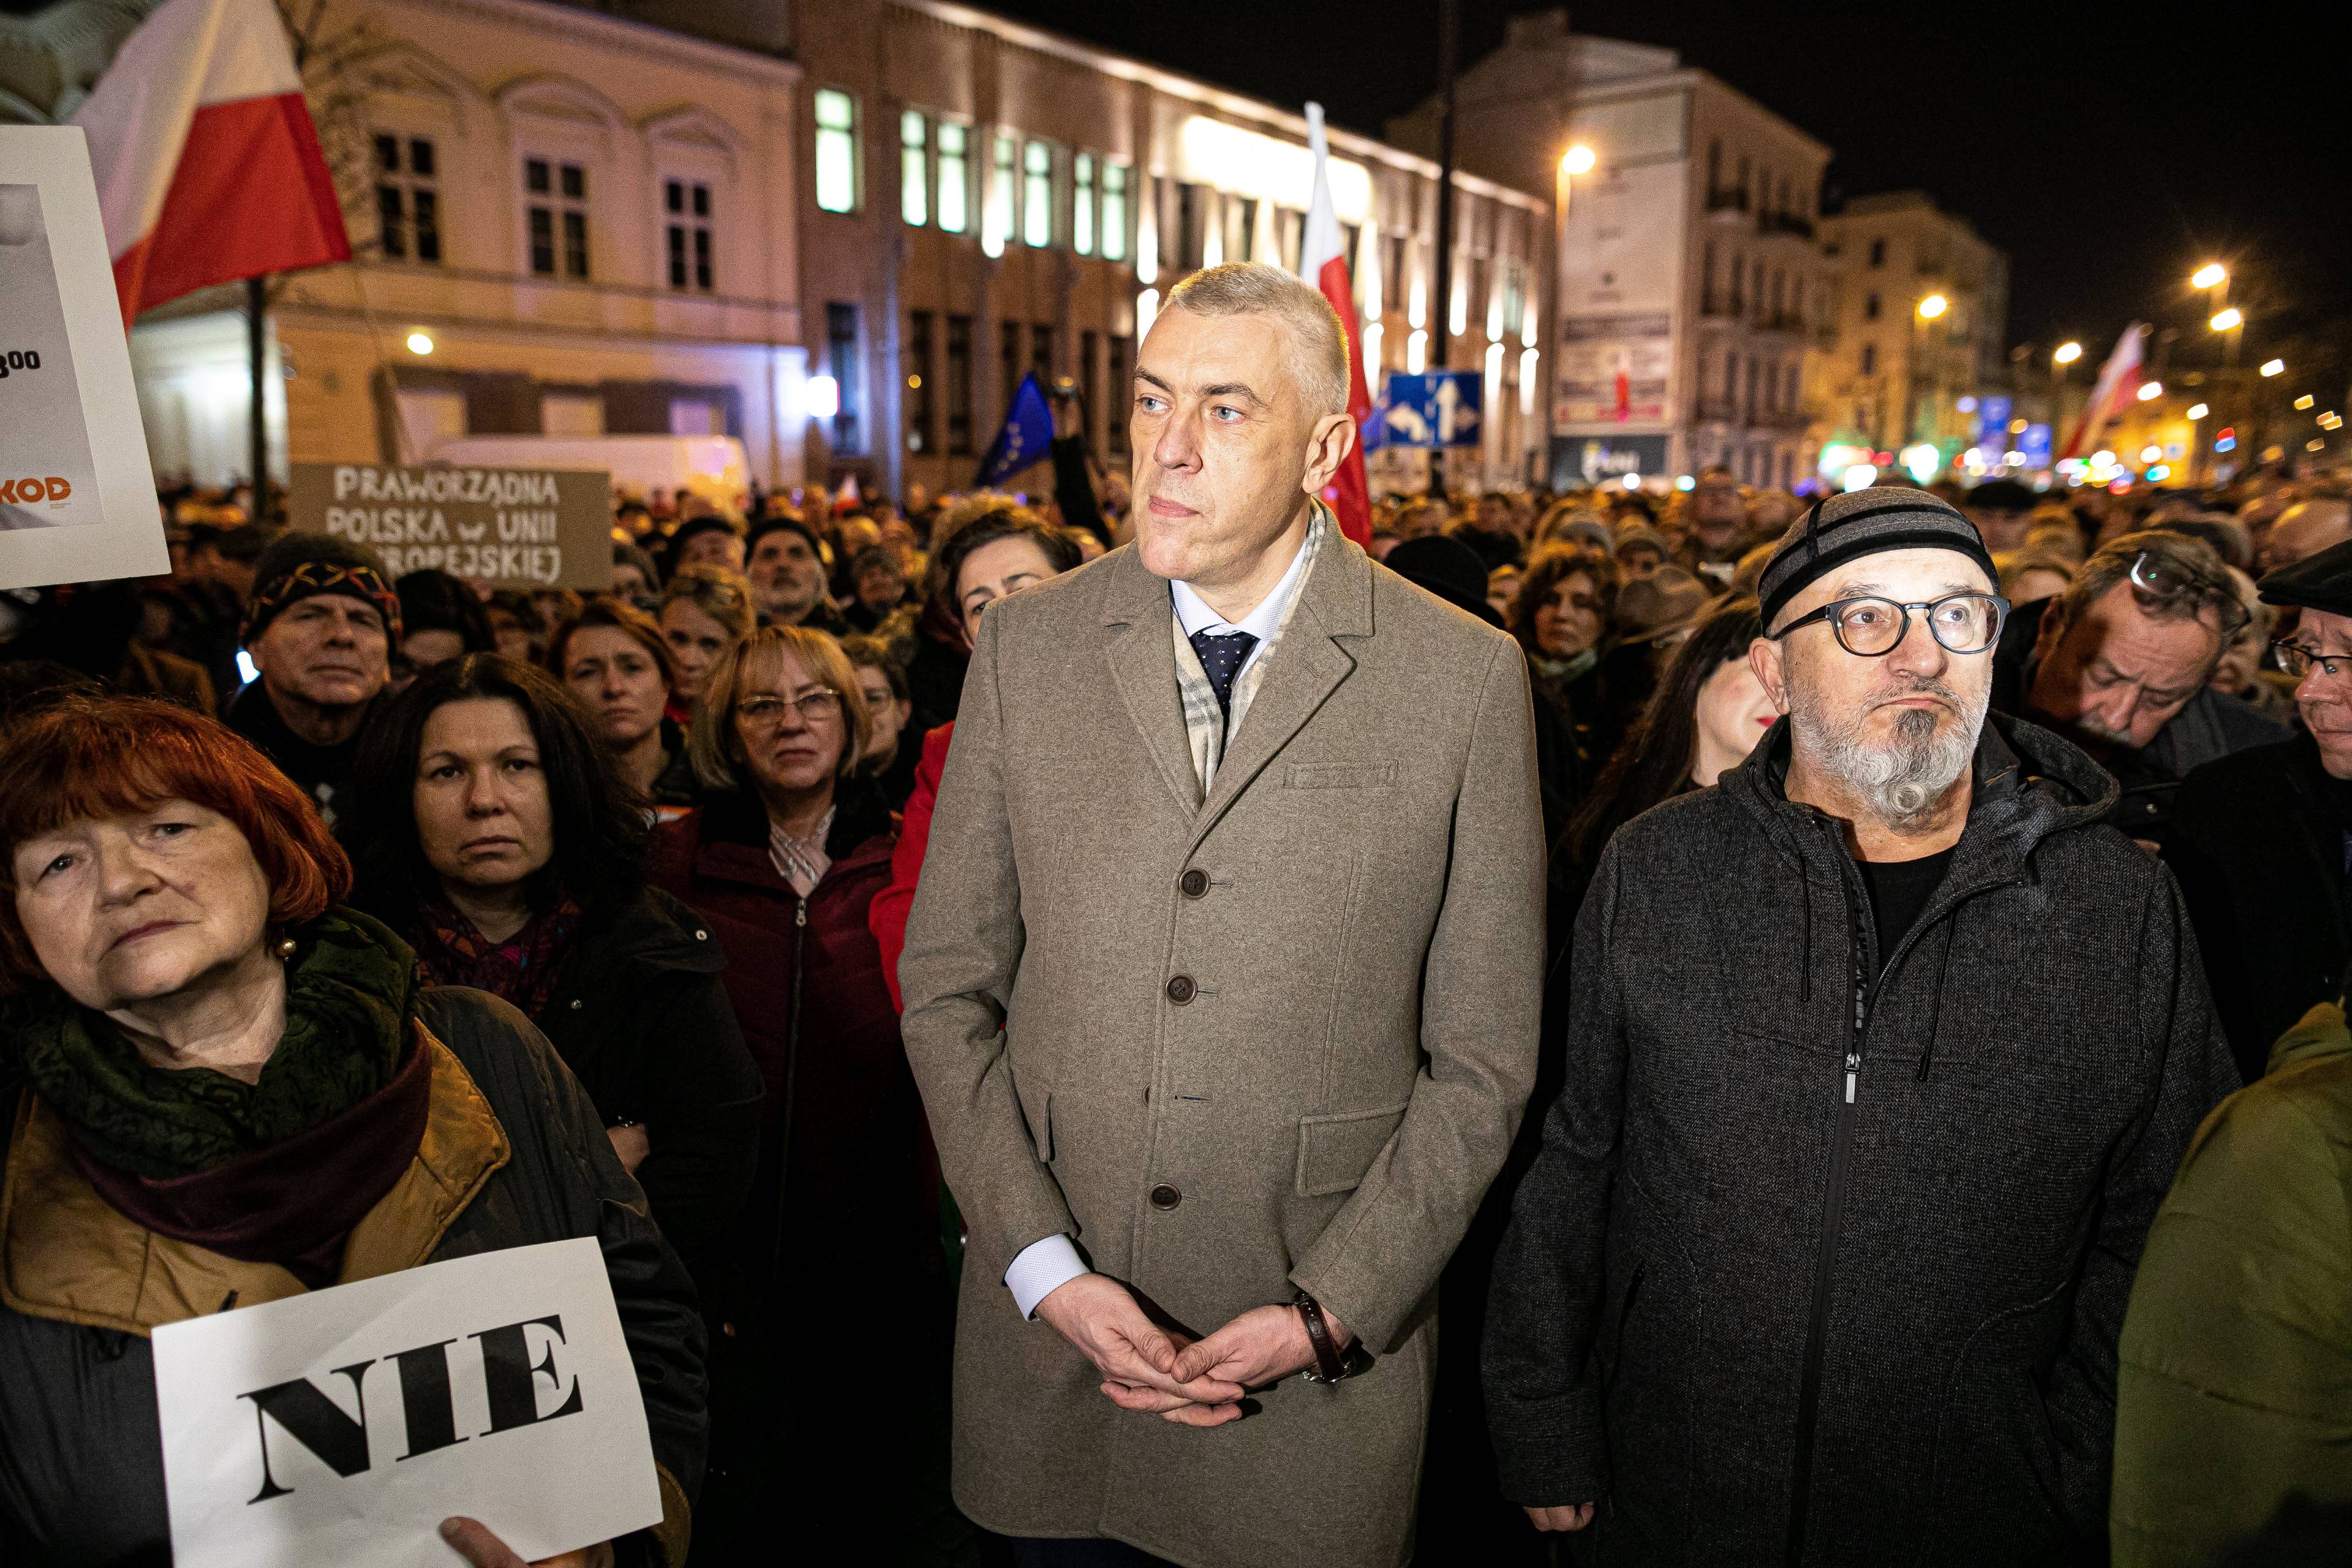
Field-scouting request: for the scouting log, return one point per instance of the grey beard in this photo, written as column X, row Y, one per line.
column 1900, row 781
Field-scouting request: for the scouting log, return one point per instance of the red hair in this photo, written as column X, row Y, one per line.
column 86, row 758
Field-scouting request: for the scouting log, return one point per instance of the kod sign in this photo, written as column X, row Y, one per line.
column 1605, row 459
column 1439, row 409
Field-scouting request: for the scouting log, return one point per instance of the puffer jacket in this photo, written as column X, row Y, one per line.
column 2237, row 1352
column 513, row 1154
column 1823, row 1262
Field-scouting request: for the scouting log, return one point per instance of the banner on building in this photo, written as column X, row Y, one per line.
column 77, row 496
column 344, row 1425
column 510, row 528
column 1620, row 288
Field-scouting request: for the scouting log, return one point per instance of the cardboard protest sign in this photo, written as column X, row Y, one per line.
column 511, row 528
column 344, row 1426
column 76, row 495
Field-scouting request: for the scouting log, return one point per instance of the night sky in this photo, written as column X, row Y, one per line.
column 2108, row 149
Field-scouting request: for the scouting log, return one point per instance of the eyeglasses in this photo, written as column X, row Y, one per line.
column 2152, row 577
column 1874, row 627
column 2297, row 660
column 765, row 713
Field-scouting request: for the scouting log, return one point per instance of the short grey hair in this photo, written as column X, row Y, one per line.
column 1318, row 342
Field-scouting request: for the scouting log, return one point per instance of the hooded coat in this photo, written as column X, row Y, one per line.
column 1826, row 1255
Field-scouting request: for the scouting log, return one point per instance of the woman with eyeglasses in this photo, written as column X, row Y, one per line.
column 839, row 1290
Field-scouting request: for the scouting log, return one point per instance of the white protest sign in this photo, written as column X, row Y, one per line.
column 77, row 494
column 344, row 1426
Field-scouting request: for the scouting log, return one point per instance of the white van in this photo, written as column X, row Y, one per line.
column 711, row 466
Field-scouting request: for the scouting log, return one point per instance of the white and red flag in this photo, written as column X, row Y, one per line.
column 208, row 167
column 2118, row 386
column 1323, row 261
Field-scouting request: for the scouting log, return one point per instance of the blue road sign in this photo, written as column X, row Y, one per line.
column 1440, row 408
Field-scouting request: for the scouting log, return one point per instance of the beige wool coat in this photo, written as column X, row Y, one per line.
column 1314, row 1056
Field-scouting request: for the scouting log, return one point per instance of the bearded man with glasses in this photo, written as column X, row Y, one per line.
column 1824, row 1255
column 2121, row 664
column 2262, row 840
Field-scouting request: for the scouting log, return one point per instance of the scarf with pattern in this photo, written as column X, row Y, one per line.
column 1207, row 726
column 521, row 969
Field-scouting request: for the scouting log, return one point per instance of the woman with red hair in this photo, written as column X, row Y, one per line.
column 227, row 1089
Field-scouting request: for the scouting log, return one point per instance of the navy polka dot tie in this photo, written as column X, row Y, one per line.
column 1222, row 658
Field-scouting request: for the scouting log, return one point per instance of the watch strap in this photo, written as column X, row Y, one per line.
column 1329, row 1365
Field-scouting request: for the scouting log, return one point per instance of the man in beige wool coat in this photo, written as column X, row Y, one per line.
column 1219, row 1067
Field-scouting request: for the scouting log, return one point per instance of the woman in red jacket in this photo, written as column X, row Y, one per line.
column 837, row 1295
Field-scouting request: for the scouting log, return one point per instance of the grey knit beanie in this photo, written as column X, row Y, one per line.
column 1842, row 528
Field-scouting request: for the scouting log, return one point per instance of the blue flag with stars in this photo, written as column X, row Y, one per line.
column 1026, row 439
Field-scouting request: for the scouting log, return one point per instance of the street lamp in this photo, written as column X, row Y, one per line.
column 2209, row 275
column 2067, row 354
column 2224, row 321
column 2274, row 367
column 1577, row 160
column 1933, row 305
column 2149, row 390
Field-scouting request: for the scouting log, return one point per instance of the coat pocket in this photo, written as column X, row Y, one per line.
column 1341, row 775
column 1335, row 1151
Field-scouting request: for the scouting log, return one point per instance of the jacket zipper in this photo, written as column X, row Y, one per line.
column 1832, row 1213
column 792, row 1083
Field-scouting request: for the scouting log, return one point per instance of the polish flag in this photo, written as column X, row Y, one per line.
column 2117, row 386
column 1323, row 261
column 208, row 166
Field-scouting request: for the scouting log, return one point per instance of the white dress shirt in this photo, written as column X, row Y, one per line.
column 1043, row 1266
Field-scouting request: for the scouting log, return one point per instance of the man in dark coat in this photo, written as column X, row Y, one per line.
column 2261, row 841
column 2119, row 664
column 1826, row 1255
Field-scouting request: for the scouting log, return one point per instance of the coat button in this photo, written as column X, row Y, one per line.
column 1164, row 1197
column 1182, row 990
column 1195, row 883
column 575, row 1004
column 702, row 936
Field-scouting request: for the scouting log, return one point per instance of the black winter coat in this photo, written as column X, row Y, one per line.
column 2259, row 843
column 1825, row 1266
column 639, row 1014
column 81, row 1456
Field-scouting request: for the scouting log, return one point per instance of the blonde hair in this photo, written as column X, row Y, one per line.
column 1318, row 342
column 724, row 596
column 710, row 743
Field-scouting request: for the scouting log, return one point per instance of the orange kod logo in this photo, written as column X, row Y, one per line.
column 33, row 489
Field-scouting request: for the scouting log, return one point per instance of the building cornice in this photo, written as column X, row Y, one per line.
column 1159, row 79
column 623, row 34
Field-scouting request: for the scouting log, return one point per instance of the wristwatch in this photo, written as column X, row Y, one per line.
column 1330, row 1366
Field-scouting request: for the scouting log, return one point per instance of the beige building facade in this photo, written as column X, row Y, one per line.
column 1688, row 283
column 1922, row 308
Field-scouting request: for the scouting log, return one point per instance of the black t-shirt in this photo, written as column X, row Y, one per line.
column 1899, row 891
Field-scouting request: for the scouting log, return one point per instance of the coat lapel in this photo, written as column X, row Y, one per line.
column 1302, row 671
column 1143, row 665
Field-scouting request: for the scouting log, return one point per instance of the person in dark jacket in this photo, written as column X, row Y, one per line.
column 498, row 837
column 1826, row 1251
column 320, row 628
column 615, row 660
column 228, row 1090
column 782, row 860
column 994, row 547
column 2119, row 665
column 2261, row 841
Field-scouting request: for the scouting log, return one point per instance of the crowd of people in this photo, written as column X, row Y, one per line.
column 306, row 857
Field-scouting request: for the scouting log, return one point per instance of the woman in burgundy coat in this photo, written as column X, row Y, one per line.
column 835, row 1314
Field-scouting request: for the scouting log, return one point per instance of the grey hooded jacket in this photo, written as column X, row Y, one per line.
column 1824, row 1260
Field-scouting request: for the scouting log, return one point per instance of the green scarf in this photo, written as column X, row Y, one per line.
column 1559, row 672
column 350, row 989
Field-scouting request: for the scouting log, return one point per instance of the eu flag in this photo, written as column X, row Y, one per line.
column 1026, row 439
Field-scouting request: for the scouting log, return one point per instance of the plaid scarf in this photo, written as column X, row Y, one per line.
column 1205, row 726
column 352, row 580
column 520, row 970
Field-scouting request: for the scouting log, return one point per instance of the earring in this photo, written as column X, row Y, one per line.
column 286, row 950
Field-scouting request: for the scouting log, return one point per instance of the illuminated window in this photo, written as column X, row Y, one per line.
column 836, row 151
column 1082, row 204
column 1113, row 212
column 1038, row 195
column 954, row 178
column 914, row 170
column 408, row 203
column 687, row 207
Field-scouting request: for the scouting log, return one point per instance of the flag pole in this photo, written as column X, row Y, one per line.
column 256, row 291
